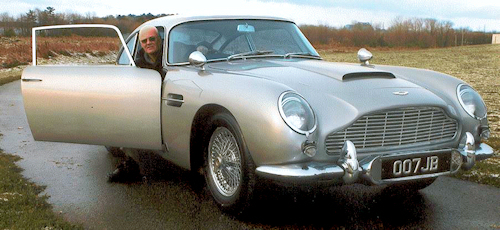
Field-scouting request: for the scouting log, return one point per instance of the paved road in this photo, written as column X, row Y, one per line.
column 76, row 183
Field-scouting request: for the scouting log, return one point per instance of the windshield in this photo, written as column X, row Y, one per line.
column 218, row 40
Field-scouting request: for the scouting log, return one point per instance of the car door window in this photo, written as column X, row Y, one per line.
column 124, row 60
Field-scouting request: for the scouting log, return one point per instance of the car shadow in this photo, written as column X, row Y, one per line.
column 274, row 206
column 354, row 206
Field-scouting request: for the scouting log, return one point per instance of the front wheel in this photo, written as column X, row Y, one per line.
column 229, row 170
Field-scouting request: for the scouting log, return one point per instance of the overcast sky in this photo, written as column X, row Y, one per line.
column 474, row 14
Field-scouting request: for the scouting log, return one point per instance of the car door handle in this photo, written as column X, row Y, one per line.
column 175, row 100
column 31, row 79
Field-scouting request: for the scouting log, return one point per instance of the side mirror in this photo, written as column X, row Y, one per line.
column 197, row 59
column 364, row 56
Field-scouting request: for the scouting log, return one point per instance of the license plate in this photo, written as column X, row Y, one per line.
column 415, row 165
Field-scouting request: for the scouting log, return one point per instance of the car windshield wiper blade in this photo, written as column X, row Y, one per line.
column 301, row 54
column 251, row 53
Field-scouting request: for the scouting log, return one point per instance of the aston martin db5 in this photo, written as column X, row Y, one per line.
column 240, row 98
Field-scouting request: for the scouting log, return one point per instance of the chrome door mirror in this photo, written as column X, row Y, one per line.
column 364, row 56
column 197, row 59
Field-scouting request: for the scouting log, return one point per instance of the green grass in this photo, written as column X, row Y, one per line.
column 21, row 205
column 477, row 65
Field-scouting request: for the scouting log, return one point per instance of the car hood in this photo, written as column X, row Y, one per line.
column 337, row 89
column 299, row 74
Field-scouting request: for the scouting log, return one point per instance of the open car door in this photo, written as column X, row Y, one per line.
column 103, row 105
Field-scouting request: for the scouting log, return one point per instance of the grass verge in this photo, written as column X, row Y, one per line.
column 10, row 74
column 21, row 206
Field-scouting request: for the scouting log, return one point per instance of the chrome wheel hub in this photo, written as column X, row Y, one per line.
column 224, row 161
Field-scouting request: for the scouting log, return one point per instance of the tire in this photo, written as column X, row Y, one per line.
column 228, row 168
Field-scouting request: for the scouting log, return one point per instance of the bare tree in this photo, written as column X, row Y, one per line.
column 8, row 24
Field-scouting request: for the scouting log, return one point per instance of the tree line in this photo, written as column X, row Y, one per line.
column 413, row 32
column 22, row 24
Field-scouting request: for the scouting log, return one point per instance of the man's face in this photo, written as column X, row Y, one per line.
column 149, row 41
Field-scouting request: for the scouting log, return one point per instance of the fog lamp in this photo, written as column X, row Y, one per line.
column 456, row 161
column 309, row 148
column 485, row 133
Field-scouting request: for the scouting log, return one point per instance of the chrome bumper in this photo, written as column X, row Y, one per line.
column 349, row 170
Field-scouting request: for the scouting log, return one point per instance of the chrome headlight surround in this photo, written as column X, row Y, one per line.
column 297, row 113
column 471, row 101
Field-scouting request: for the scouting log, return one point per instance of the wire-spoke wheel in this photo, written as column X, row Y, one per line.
column 229, row 169
column 224, row 161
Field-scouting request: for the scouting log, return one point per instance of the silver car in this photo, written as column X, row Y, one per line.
column 241, row 98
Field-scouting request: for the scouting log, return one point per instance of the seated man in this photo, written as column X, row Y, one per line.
column 150, row 56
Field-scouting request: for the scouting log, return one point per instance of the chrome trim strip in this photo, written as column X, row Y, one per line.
column 34, row 29
column 294, row 172
column 413, row 153
column 173, row 100
column 415, row 177
column 31, row 79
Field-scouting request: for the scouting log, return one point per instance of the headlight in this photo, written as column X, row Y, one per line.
column 297, row 113
column 471, row 101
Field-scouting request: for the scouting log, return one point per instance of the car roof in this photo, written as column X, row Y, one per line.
column 175, row 19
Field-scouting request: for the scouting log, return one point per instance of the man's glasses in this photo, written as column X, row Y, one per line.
column 151, row 39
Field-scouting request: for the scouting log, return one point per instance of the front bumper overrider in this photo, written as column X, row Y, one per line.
column 349, row 170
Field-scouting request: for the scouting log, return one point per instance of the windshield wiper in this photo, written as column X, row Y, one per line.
column 251, row 53
column 301, row 54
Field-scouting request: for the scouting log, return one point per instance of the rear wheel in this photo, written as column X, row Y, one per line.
column 229, row 170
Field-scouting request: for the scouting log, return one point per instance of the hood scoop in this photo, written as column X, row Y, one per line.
column 367, row 75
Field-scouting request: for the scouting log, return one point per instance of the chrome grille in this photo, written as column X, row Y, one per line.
column 394, row 129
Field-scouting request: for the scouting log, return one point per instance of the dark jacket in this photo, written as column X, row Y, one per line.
column 142, row 60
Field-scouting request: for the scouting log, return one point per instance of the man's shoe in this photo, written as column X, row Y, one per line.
column 116, row 176
column 127, row 171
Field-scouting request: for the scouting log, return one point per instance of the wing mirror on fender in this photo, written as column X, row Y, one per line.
column 197, row 59
column 364, row 56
